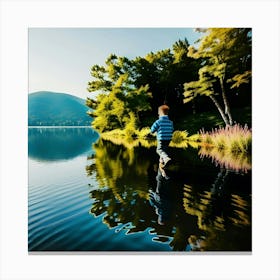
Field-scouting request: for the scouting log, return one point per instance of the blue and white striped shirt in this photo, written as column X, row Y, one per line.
column 164, row 128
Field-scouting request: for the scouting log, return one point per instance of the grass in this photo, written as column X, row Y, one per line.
column 229, row 147
column 235, row 139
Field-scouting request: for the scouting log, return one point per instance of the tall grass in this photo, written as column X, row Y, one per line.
column 229, row 147
column 236, row 139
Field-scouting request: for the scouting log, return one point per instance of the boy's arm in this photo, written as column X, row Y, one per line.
column 154, row 127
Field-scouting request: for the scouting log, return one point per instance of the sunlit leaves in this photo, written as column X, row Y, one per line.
column 204, row 86
column 114, row 107
column 240, row 79
column 222, row 50
column 144, row 83
column 180, row 49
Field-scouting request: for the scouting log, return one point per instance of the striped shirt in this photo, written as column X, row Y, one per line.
column 164, row 128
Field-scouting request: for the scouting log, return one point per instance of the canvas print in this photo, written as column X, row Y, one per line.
column 139, row 140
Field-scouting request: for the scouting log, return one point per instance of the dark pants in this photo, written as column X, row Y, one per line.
column 163, row 149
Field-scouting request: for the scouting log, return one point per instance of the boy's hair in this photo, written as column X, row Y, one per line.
column 164, row 109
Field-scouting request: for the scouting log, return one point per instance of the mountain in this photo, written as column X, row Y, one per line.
column 56, row 109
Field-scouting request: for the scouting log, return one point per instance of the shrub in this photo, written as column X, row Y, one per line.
column 179, row 136
column 143, row 133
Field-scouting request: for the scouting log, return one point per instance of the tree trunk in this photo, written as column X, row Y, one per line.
column 225, row 119
column 227, row 109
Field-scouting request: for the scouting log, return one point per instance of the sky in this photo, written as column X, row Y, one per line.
column 60, row 59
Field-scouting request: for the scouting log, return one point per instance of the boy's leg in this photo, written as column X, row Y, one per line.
column 162, row 150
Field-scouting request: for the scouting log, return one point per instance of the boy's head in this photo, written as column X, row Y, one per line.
column 163, row 110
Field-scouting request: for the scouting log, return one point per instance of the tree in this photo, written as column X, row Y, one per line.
column 138, row 100
column 118, row 97
column 153, row 70
column 226, row 58
column 139, row 86
column 165, row 72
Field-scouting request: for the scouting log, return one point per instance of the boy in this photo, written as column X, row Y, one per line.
column 164, row 128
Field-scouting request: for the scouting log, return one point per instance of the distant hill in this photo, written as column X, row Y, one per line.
column 56, row 109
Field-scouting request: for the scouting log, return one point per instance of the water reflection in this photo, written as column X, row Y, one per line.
column 181, row 208
column 161, row 198
column 54, row 144
column 221, row 215
column 122, row 177
column 239, row 162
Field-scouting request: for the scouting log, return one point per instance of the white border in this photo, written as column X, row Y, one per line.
column 18, row 16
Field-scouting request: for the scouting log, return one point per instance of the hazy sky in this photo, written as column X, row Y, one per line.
column 60, row 59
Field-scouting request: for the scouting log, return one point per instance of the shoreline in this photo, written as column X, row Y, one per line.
column 62, row 126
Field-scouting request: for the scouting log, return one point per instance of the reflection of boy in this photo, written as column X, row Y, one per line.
column 161, row 199
column 164, row 128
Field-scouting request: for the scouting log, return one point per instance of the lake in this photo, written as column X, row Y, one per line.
column 88, row 194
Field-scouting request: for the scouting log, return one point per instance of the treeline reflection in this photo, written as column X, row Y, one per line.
column 133, row 195
column 58, row 144
column 221, row 214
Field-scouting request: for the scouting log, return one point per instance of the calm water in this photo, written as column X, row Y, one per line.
column 87, row 194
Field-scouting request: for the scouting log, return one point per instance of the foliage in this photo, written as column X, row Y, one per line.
column 180, row 139
column 240, row 79
column 123, row 86
column 143, row 133
column 179, row 136
column 118, row 109
column 226, row 55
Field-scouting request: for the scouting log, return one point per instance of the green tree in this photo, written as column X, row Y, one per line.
column 165, row 72
column 135, row 88
column 138, row 100
column 153, row 70
column 117, row 94
column 226, row 59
